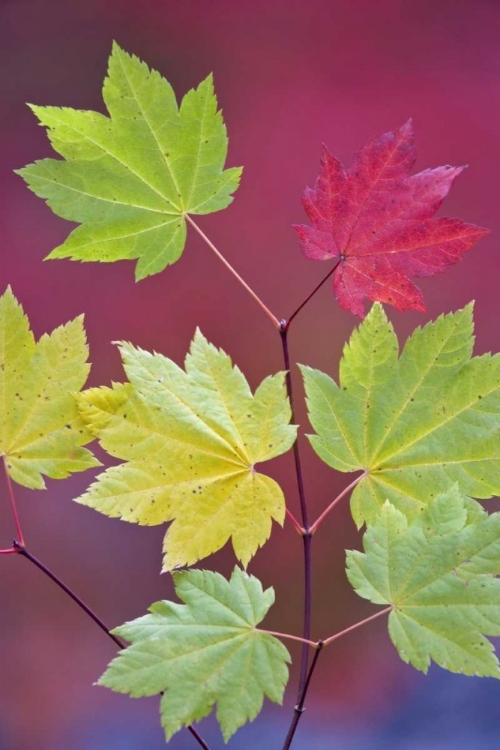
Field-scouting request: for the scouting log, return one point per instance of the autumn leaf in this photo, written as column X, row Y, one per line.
column 40, row 429
column 414, row 423
column 377, row 221
column 191, row 440
column 440, row 574
column 131, row 179
column 204, row 652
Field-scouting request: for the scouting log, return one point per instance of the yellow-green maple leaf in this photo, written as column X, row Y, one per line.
column 131, row 179
column 40, row 428
column 191, row 440
column 416, row 423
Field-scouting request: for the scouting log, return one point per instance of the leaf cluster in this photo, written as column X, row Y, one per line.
column 421, row 423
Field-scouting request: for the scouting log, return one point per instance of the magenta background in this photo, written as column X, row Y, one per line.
column 289, row 76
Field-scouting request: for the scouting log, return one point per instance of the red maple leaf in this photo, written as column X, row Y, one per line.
column 377, row 220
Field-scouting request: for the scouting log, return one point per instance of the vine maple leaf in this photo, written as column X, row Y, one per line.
column 439, row 572
column 204, row 652
column 414, row 423
column 377, row 220
column 131, row 179
column 191, row 440
column 41, row 432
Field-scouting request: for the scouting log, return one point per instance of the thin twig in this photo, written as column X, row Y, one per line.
column 310, row 296
column 356, row 625
column 313, row 644
column 198, row 738
column 8, row 551
column 243, row 283
column 19, row 531
column 344, row 492
column 21, row 550
column 306, row 535
column 299, row 708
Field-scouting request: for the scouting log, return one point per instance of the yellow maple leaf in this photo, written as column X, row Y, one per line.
column 191, row 440
column 41, row 431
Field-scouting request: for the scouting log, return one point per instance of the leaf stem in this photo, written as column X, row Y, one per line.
column 299, row 708
column 344, row 492
column 356, row 625
column 313, row 644
column 19, row 531
column 297, row 525
column 310, row 296
column 236, row 275
column 8, row 551
column 306, row 534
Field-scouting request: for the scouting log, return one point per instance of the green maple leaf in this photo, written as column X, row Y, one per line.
column 204, row 652
column 191, row 441
column 415, row 424
column 439, row 573
column 40, row 428
column 130, row 179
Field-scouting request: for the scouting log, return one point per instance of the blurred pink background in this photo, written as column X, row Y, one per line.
column 289, row 76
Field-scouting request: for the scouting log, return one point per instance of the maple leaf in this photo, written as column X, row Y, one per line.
column 40, row 429
column 131, row 179
column 191, row 441
column 377, row 220
column 439, row 573
column 203, row 652
column 414, row 424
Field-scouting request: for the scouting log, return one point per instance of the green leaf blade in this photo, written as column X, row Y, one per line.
column 416, row 424
column 204, row 652
column 439, row 574
column 131, row 178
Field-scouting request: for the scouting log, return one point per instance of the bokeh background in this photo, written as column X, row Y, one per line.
column 289, row 76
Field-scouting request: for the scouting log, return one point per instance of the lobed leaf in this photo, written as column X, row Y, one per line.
column 41, row 432
column 204, row 652
column 190, row 440
column 377, row 221
column 439, row 573
column 416, row 423
column 131, row 178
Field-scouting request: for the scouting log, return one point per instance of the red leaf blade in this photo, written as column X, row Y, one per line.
column 377, row 218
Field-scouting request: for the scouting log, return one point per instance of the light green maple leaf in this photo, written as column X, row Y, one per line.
column 130, row 179
column 439, row 573
column 415, row 424
column 40, row 428
column 191, row 441
column 204, row 652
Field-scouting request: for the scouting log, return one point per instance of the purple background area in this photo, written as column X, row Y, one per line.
column 289, row 76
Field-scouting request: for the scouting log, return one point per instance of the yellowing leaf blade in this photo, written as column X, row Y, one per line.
column 40, row 427
column 191, row 440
